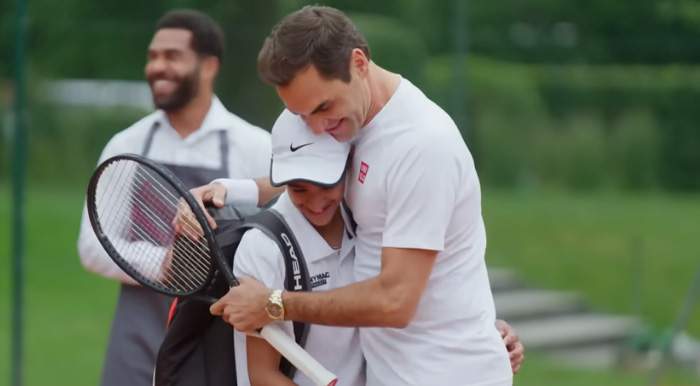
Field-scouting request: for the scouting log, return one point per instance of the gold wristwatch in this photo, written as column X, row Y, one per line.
column 275, row 308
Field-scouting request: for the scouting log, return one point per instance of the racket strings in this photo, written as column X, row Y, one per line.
column 140, row 206
column 146, row 229
column 153, row 267
column 151, row 203
column 191, row 261
column 177, row 205
column 172, row 275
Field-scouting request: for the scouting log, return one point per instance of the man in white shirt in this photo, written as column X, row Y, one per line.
column 413, row 189
column 313, row 173
column 193, row 135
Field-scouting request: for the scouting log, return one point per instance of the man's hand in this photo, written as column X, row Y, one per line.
column 185, row 222
column 516, row 350
column 210, row 194
column 244, row 305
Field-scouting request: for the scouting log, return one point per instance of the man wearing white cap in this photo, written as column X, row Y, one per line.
column 313, row 170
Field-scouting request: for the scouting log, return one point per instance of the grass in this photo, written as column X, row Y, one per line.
column 68, row 311
column 537, row 371
column 559, row 241
column 592, row 243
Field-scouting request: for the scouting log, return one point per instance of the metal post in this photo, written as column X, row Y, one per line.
column 637, row 286
column 18, row 177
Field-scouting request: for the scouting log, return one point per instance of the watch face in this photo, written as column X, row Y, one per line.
column 274, row 310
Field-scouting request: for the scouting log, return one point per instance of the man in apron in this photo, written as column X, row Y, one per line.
column 194, row 136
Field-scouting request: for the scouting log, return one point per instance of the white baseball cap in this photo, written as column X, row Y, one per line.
column 300, row 156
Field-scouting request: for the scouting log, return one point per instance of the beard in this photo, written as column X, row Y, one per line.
column 182, row 95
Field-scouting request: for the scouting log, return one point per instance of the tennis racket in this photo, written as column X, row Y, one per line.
column 133, row 204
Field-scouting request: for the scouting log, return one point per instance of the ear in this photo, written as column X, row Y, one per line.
column 359, row 62
column 210, row 67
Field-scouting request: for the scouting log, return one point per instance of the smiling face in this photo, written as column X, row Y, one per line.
column 173, row 69
column 330, row 105
column 318, row 204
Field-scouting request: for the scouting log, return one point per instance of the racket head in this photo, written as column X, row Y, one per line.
column 132, row 200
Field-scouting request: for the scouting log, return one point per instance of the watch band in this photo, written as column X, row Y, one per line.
column 275, row 307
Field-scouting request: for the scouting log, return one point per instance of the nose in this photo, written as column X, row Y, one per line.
column 155, row 66
column 317, row 203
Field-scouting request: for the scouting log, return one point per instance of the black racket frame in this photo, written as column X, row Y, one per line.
column 214, row 251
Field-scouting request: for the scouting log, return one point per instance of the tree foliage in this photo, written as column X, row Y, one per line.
column 552, row 48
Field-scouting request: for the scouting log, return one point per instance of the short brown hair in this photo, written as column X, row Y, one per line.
column 207, row 36
column 320, row 36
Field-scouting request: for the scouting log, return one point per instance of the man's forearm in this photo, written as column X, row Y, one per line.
column 364, row 304
column 265, row 190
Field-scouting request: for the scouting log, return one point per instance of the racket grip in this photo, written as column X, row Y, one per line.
column 297, row 356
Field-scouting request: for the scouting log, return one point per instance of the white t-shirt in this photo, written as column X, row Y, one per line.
column 337, row 348
column 249, row 157
column 412, row 184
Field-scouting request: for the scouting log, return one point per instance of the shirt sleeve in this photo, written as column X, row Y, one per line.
column 243, row 192
column 259, row 256
column 421, row 189
column 92, row 254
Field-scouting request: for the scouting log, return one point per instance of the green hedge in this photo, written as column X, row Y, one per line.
column 65, row 142
column 393, row 45
column 580, row 127
column 574, row 127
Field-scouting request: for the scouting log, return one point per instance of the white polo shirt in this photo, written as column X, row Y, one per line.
column 249, row 157
column 413, row 185
column 337, row 348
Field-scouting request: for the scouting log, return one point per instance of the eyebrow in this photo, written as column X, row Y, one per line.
column 317, row 109
column 320, row 106
column 168, row 50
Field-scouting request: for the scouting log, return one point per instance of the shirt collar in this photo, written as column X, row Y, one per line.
column 312, row 244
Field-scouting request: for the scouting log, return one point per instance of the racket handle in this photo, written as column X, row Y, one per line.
column 297, row 356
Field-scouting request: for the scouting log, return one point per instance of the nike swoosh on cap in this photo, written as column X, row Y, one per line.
column 293, row 149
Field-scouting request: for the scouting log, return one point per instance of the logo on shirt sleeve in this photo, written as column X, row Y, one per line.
column 364, row 168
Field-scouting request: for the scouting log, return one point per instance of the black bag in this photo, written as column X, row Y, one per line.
column 198, row 347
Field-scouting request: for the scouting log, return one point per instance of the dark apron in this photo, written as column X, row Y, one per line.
column 141, row 316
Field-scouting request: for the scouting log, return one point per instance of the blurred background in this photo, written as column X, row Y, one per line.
column 582, row 117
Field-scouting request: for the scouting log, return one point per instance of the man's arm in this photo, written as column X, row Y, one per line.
column 258, row 255
column 265, row 190
column 256, row 191
column 414, row 232
column 264, row 363
column 93, row 256
column 250, row 192
column 387, row 300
